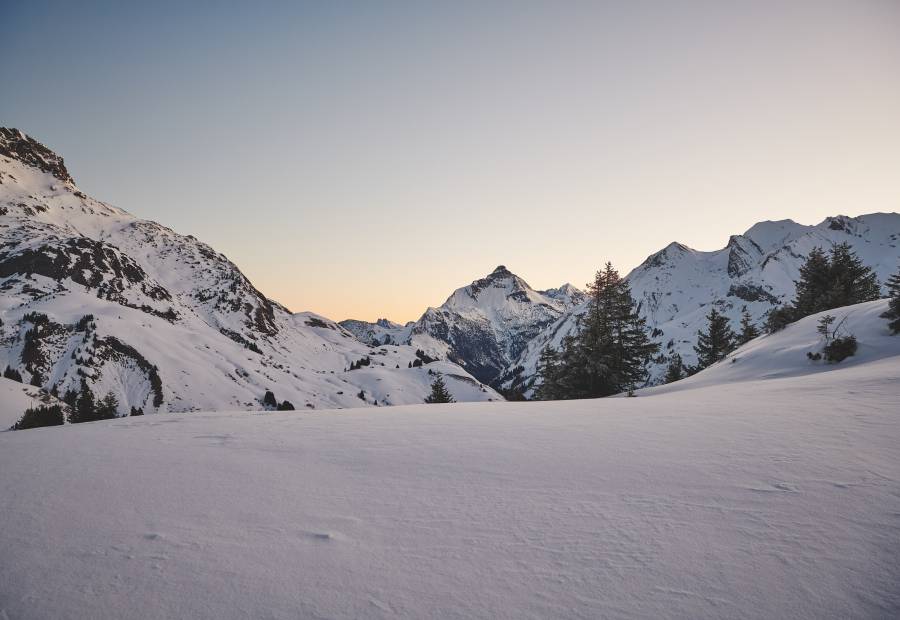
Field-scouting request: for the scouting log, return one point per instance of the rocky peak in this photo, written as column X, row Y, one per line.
column 19, row 146
column 841, row 222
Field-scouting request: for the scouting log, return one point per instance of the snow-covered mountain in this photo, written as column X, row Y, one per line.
column 754, row 271
column 162, row 319
column 483, row 327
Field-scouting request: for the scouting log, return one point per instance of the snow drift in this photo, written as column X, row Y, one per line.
column 764, row 488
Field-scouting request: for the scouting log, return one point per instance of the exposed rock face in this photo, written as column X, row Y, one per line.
column 483, row 327
column 16, row 145
column 90, row 293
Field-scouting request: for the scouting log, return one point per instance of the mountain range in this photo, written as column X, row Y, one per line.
column 165, row 322
column 162, row 320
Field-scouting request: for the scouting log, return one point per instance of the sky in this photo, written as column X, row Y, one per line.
column 363, row 160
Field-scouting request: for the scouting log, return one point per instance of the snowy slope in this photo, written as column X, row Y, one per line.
column 382, row 331
column 783, row 354
column 161, row 319
column 483, row 326
column 760, row 498
column 16, row 397
column 755, row 271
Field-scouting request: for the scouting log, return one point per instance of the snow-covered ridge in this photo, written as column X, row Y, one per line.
column 162, row 319
column 483, row 327
column 756, row 271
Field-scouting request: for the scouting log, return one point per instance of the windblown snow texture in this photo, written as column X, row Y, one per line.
column 741, row 495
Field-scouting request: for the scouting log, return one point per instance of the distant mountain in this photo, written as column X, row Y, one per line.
column 161, row 319
column 483, row 327
column 676, row 286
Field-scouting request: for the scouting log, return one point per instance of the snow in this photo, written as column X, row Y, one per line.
column 15, row 398
column 783, row 353
column 734, row 496
column 756, row 271
column 145, row 270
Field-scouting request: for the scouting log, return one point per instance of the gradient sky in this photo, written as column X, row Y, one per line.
column 364, row 159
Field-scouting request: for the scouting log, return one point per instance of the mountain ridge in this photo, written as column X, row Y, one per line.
column 93, row 293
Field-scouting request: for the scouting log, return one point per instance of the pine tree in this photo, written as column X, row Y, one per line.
column 85, row 408
column 893, row 311
column 675, row 371
column 611, row 351
column 814, row 285
column 852, row 281
column 108, row 408
column 439, row 391
column 548, row 367
column 717, row 342
column 749, row 331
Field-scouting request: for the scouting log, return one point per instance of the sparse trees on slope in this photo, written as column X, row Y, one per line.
column 893, row 311
column 826, row 282
column 716, row 342
column 439, row 391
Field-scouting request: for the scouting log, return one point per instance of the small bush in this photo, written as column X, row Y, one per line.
column 840, row 349
column 269, row 400
column 41, row 416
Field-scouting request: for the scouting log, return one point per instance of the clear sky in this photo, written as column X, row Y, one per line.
column 365, row 159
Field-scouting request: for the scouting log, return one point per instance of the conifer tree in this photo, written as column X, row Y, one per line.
column 85, row 407
column 611, row 350
column 827, row 281
column 548, row 367
column 852, row 281
column 439, row 391
column 814, row 285
column 675, row 371
column 716, row 342
column 108, row 408
column 749, row 331
column 893, row 311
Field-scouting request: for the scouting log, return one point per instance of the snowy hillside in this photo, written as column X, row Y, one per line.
column 483, row 326
column 783, row 354
column 16, row 398
column 758, row 498
column 161, row 319
column 755, row 271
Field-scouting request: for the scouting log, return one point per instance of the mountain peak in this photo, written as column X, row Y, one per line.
column 15, row 144
column 500, row 272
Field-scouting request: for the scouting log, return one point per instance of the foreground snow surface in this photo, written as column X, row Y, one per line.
column 760, row 499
